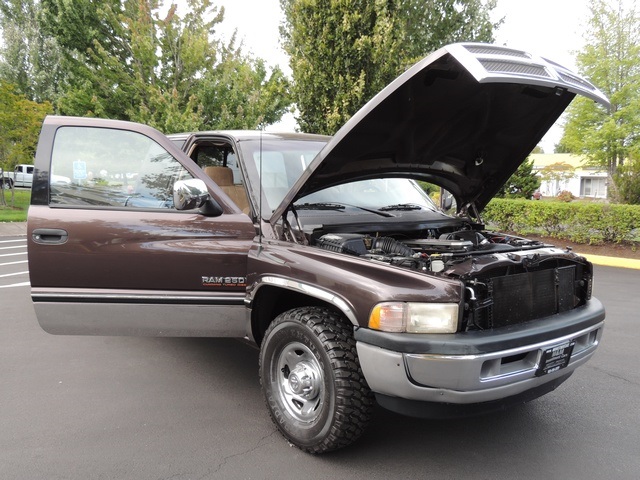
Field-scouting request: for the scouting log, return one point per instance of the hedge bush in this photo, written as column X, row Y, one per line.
column 591, row 223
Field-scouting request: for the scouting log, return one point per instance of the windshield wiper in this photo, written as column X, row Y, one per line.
column 337, row 206
column 319, row 206
column 402, row 206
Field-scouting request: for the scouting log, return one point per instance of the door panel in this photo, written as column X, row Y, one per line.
column 103, row 228
column 141, row 250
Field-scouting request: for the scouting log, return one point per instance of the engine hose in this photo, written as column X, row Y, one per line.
column 392, row 246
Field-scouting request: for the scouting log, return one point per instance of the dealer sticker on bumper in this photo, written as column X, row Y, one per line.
column 555, row 358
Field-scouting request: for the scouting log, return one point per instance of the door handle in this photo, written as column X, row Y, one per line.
column 50, row 236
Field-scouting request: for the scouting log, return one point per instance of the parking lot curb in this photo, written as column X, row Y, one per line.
column 13, row 229
column 613, row 261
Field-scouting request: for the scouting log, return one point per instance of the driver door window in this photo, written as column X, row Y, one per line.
column 112, row 168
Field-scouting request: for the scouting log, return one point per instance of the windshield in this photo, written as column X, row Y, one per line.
column 376, row 194
column 284, row 160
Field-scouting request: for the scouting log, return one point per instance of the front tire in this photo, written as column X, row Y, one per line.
column 312, row 381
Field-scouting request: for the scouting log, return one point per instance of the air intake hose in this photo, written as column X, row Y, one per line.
column 391, row 246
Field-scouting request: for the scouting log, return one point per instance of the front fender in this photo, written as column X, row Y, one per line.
column 313, row 291
column 352, row 285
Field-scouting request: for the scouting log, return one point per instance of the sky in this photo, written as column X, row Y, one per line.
column 550, row 28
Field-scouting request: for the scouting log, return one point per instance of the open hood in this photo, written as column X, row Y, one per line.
column 464, row 118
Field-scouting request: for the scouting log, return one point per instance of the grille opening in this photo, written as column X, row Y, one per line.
column 513, row 296
column 513, row 358
column 573, row 80
column 499, row 66
column 510, row 365
column 586, row 341
column 492, row 50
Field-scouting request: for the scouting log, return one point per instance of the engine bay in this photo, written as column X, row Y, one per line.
column 506, row 279
column 432, row 251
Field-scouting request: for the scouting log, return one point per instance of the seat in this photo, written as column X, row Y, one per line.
column 223, row 176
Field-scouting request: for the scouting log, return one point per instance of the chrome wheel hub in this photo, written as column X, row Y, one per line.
column 300, row 382
column 303, row 380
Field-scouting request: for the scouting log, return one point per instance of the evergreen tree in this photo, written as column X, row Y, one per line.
column 427, row 26
column 343, row 52
column 522, row 184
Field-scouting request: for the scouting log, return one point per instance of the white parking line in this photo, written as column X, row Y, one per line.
column 13, row 274
column 13, row 263
column 23, row 284
column 15, row 246
column 12, row 254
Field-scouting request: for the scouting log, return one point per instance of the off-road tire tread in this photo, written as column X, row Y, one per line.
column 354, row 400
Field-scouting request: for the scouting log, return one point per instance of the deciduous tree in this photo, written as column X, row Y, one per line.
column 132, row 60
column 20, row 121
column 29, row 59
column 558, row 174
column 627, row 182
column 611, row 60
column 137, row 65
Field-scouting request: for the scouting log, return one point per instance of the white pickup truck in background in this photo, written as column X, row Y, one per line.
column 22, row 176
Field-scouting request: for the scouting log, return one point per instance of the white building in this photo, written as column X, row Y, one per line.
column 565, row 171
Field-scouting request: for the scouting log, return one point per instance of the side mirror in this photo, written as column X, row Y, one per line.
column 446, row 200
column 193, row 193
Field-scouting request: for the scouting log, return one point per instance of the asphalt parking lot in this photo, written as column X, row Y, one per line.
column 123, row 407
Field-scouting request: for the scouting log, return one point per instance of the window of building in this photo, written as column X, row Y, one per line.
column 593, row 187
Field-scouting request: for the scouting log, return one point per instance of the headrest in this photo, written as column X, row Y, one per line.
column 223, row 176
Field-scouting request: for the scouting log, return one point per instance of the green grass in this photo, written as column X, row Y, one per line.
column 17, row 213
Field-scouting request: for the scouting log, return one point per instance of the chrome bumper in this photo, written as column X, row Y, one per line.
column 471, row 378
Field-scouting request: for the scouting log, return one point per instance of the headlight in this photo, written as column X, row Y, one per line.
column 415, row 317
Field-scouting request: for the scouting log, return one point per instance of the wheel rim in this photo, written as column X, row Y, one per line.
column 300, row 382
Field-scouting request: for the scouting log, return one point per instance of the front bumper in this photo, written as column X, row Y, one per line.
column 477, row 367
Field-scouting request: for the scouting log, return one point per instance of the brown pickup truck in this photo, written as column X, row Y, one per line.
column 325, row 251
